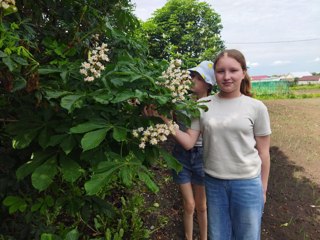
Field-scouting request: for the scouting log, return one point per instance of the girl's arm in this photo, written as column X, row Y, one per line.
column 263, row 146
column 186, row 139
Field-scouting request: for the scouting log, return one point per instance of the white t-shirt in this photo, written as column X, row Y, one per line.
column 228, row 129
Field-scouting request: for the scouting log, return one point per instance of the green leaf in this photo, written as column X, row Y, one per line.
column 10, row 63
column 2, row 54
column 122, row 96
column 55, row 94
column 15, row 204
column 94, row 156
column 118, row 82
column 72, row 235
column 49, row 201
column 8, row 51
column 144, row 177
column 49, row 236
column 140, row 95
column 68, row 144
column 22, row 51
column 56, row 139
column 19, row 60
column 70, row 169
column 171, row 161
column 19, row 83
column 71, row 102
column 152, row 155
column 35, row 207
column 44, row 138
column 44, row 71
column 103, row 98
column 64, row 75
column 93, row 139
column 88, row 126
column 43, row 204
column 30, row 166
column 23, row 140
column 160, row 99
column 100, row 179
column 43, row 176
column 119, row 133
column 126, row 175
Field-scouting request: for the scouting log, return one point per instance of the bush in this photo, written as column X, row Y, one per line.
column 74, row 80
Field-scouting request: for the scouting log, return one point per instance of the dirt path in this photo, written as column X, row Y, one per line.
column 292, row 211
column 296, row 132
column 293, row 207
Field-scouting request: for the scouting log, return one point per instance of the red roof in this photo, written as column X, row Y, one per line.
column 310, row 78
column 260, row 77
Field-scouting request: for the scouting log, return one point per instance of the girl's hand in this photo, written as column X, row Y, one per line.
column 150, row 111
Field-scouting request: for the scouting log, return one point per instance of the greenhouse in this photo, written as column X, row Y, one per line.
column 270, row 86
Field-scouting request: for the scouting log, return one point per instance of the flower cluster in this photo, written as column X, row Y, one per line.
column 7, row 3
column 176, row 80
column 133, row 102
column 154, row 134
column 95, row 64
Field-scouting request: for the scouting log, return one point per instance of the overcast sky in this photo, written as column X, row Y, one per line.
column 276, row 36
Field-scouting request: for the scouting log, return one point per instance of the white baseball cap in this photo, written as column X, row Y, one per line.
column 205, row 69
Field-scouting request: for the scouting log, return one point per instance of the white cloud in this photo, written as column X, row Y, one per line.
column 317, row 59
column 253, row 64
column 281, row 62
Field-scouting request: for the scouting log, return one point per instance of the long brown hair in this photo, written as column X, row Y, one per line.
column 245, row 86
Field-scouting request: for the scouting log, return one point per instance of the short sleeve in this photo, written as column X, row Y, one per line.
column 195, row 124
column 262, row 122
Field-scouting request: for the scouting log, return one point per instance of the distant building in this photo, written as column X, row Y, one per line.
column 293, row 75
column 260, row 77
column 309, row 80
column 267, row 79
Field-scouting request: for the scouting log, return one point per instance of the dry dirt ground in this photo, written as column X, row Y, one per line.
column 292, row 211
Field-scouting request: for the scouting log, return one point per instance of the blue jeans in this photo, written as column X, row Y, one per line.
column 235, row 208
column 192, row 165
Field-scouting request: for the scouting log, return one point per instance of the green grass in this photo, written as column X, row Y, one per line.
column 305, row 87
column 291, row 94
column 287, row 96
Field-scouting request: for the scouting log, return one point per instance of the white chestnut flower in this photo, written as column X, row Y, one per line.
column 177, row 81
column 154, row 134
column 95, row 63
column 142, row 145
column 135, row 133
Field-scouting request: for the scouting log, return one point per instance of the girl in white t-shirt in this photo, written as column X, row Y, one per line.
column 236, row 140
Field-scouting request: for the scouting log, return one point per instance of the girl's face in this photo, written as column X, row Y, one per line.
column 199, row 87
column 229, row 75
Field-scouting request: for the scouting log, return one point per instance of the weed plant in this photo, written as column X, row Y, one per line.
column 291, row 94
